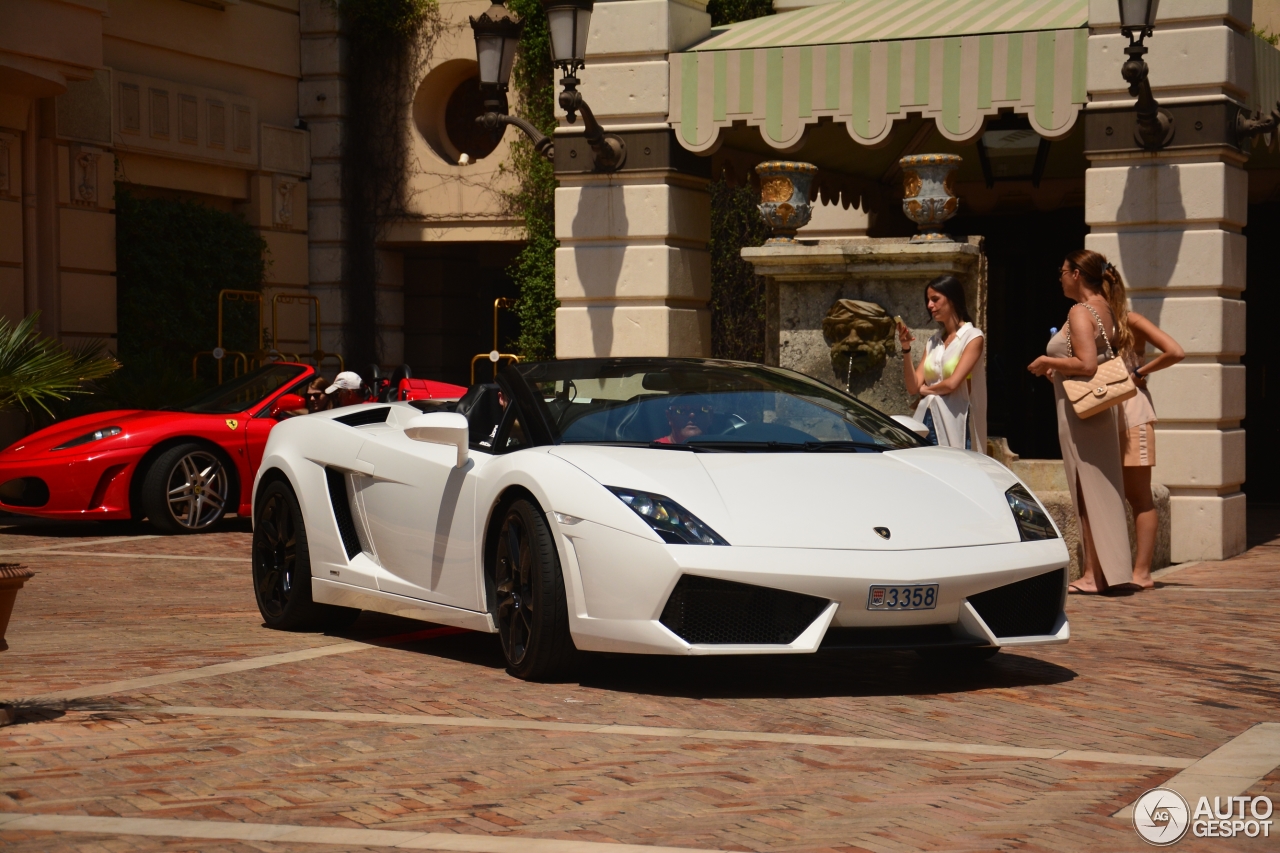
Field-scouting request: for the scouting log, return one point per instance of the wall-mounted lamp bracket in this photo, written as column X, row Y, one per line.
column 1155, row 125
column 494, row 120
column 1246, row 127
column 609, row 150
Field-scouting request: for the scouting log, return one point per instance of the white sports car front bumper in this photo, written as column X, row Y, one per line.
column 620, row 583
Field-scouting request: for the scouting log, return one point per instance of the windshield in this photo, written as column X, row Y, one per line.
column 703, row 405
column 243, row 392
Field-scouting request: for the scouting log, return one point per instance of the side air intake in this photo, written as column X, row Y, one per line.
column 1026, row 608
column 709, row 610
column 342, row 511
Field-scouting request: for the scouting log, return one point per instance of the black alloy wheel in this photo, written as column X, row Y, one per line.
column 530, row 607
column 282, row 567
column 186, row 489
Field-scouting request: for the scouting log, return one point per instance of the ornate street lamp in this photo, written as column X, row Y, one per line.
column 497, row 33
column 569, row 21
column 1137, row 22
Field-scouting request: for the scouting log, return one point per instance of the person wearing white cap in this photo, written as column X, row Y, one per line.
column 347, row 386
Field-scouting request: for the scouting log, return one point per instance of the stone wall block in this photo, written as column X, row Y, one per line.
column 639, row 26
column 325, row 266
column 1105, row 13
column 633, row 272
column 604, row 212
column 317, row 17
column 12, row 295
column 94, row 246
column 1207, row 527
column 88, row 304
column 287, row 254
column 1166, row 194
column 1208, row 325
column 1154, row 260
column 322, row 56
column 625, row 89
column 327, row 223
column 10, row 232
column 1199, row 392
column 632, row 330
column 326, row 182
column 326, row 139
column 1199, row 459
column 321, row 98
column 1213, row 58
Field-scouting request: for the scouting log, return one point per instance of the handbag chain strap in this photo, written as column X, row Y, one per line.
column 1110, row 352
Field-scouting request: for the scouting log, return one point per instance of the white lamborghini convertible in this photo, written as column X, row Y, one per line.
column 668, row 506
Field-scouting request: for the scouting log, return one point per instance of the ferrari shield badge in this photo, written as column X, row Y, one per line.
column 232, row 423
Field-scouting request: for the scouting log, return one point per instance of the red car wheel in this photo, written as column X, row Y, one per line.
column 186, row 489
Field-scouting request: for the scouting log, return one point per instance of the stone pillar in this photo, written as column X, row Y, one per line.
column 321, row 94
column 633, row 274
column 1171, row 222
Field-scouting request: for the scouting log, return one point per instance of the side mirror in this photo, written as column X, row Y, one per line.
column 286, row 403
column 442, row 428
column 913, row 425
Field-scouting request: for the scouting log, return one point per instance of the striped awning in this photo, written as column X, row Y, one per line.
column 866, row 63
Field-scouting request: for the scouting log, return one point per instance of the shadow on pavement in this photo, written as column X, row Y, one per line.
column 45, row 528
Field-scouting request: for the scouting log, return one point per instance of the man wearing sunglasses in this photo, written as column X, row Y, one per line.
column 688, row 417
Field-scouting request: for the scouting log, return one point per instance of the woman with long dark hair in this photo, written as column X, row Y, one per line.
column 951, row 378
column 1096, row 330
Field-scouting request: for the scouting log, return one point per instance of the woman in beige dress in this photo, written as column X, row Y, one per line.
column 1095, row 330
column 1138, row 437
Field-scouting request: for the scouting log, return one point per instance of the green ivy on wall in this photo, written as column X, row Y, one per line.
column 172, row 258
column 732, row 11
column 533, row 201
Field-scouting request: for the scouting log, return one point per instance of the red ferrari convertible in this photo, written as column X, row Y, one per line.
column 182, row 468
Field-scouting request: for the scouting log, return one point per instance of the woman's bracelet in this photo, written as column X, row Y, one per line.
column 907, row 350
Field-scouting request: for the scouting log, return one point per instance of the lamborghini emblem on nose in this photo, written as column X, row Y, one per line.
column 232, row 423
column 882, row 532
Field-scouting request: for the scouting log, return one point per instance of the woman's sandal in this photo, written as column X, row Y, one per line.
column 1076, row 590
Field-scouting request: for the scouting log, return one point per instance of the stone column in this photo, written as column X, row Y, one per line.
column 321, row 93
column 1171, row 222
column 633, row 274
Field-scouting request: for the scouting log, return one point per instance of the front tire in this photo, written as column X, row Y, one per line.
column 282, row 567
column 186, row 489
column 531, row 610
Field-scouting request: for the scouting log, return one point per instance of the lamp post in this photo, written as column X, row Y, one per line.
column 497, row 34
column 1137, row 22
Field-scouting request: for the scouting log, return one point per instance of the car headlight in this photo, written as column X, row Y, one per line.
column 1033, row 522
column 675, row 524
column 96, row 435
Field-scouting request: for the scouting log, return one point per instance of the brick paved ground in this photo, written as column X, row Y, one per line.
column 1174, row 673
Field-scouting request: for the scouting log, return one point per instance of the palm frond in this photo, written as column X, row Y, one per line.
column 35, row 369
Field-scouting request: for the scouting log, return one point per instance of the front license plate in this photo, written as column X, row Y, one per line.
column 918, row 597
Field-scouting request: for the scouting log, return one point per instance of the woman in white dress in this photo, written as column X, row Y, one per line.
column 951, row 378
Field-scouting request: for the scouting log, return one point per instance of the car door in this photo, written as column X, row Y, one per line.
column 419, row 512
column 258, row 428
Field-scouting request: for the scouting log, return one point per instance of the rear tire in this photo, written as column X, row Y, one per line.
column 531, row 610
column 186, row 489
column 282, row 568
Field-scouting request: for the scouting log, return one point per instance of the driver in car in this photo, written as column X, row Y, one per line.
column 688, row 417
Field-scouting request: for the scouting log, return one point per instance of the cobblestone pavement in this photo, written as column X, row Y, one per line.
column 828, row 752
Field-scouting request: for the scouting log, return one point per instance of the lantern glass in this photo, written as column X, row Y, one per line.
column 509, row 45
column 489, row 50
column 561, row 21
column 1138, row 14
column 581, row 28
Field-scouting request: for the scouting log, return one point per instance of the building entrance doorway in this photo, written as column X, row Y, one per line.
column 1261, row 360
column 1024, row 252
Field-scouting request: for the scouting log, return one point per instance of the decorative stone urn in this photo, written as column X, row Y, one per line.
column 784, row 197
column 928, row 197
column 12, row 577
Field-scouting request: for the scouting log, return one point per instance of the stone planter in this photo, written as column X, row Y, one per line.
column 928, row 198
column 12, row 577
column 784, row 197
